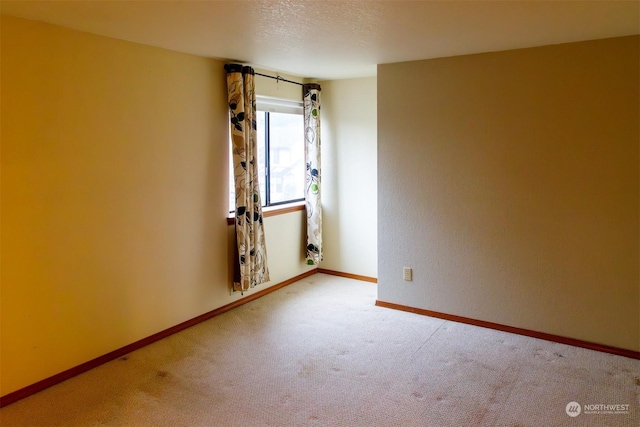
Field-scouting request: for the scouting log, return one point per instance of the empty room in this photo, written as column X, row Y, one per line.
column 320, row 213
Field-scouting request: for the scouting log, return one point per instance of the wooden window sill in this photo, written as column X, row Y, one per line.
column 273, row 211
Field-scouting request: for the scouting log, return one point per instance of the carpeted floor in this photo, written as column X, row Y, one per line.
column 319, row 353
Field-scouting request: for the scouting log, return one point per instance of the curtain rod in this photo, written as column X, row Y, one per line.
column 280, row 79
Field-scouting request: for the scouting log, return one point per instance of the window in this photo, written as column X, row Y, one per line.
column 280, row 129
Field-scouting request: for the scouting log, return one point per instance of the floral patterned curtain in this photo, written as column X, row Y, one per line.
column 311, row 104
column 252, row 251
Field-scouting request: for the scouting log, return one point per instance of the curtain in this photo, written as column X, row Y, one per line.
column 252, row 251
column 311, row 105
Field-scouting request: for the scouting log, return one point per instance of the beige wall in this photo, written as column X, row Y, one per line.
column 349, row 171
column 509, row 181
column 114, row 197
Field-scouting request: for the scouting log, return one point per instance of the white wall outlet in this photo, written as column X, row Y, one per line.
column 407, row 274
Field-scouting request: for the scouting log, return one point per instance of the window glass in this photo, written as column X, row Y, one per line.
column 281, row 168
column 286, row 157
column 261, row 118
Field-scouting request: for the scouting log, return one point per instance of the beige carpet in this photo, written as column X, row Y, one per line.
column 319, row 353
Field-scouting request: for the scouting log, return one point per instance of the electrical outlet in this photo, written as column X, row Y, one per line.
column 407, row 274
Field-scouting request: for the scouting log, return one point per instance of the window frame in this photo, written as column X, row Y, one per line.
column 268, row 104
column 274, row 210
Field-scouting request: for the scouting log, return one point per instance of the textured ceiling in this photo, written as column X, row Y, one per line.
column 338, row 39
